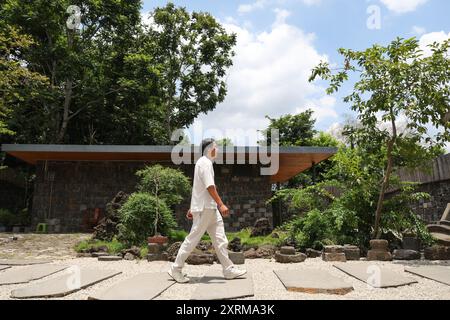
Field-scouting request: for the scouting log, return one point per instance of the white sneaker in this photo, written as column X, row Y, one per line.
column 177, row 275
column 233, row 272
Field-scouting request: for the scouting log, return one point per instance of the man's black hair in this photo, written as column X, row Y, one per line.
column 206, row 144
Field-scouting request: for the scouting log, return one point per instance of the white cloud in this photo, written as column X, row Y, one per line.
column 269, row 77
column 261, row 4
column 430, row 38
column 403, row 6
column 416, row 30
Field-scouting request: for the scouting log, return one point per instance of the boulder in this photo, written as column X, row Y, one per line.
column 289, row 258
column 403, row 254
column 129, row 256
column 107, row 226
column 261, row 228
column 235, row 245
column 437, row 252
column 411, row 243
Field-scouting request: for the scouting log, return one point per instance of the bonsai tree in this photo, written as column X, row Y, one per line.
column 396, row 82
column 168, row 187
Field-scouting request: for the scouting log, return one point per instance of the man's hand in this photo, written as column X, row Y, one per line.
column 189, row 215
column 224, row 210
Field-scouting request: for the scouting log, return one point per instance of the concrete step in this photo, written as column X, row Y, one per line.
column 444, row 223
column 439, row 228
column 442, row 239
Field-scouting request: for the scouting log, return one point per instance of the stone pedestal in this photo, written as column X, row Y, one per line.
column 289, row 255
column 352, row 252
column 156, row 252
column 236, row 257
column 334, row 253
column 379, row 251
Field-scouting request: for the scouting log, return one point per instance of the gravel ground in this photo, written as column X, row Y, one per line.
column 266, row 283
column 40, row 246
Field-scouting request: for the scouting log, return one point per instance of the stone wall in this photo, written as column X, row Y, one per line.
column 435, row 180
column 432, row 210
column 81, row 185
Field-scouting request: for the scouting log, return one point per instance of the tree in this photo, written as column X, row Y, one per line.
column 225, row 142
column 193, row 52
column 395, row 81
column 18, row 85
column 166, row 185
column 294, row 130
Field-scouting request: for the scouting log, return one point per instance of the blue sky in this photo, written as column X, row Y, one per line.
column 279, row 41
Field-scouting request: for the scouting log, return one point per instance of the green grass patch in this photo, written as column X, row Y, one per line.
column 113, row 246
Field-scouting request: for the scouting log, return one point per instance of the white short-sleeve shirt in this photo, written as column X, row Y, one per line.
column 203, row 178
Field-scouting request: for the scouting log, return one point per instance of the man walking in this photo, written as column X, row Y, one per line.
column 206, row 211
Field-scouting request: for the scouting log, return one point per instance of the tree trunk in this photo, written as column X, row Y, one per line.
column 67, row 95
column 387, row 175
column 67, row 100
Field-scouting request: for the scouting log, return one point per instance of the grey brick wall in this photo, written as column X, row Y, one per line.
column 79, row 185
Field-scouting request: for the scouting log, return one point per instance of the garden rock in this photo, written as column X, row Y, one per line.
column 198, row 259
column 235, row 245
column 290, row 258
column 437, row 252
column 287, row 250
column 107, row 227
column 236, row 257
column 311, row 253
column 411, row 243
column 333, row 249
column 352, row 252
column 109, row 258
column 334, row 256
column 403, row 254
column 261, row 228
column 129, row 256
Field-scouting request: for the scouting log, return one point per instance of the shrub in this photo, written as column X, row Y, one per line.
column 6, row 217
column 138, row 215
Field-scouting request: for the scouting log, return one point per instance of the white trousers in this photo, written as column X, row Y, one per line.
column 208, row 220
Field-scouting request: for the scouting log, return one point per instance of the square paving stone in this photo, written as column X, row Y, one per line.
column 145, row 286
column 213, row 286
column 437, row 273
column 313, row 281
column 28, row 273
column 76, row 279
column 374, row 275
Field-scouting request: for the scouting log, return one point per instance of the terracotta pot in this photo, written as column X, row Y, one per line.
column 158, row 239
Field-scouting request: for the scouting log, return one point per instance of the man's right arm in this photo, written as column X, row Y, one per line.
column 215, row 195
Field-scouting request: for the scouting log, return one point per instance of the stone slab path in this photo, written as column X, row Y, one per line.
column 29, row 273
column 437, row 273
column 4, row 267
column 374, row 275
column 22, row 262
column 145, row 286
column 213, row 286
column 313, row 281
column 76, row 279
